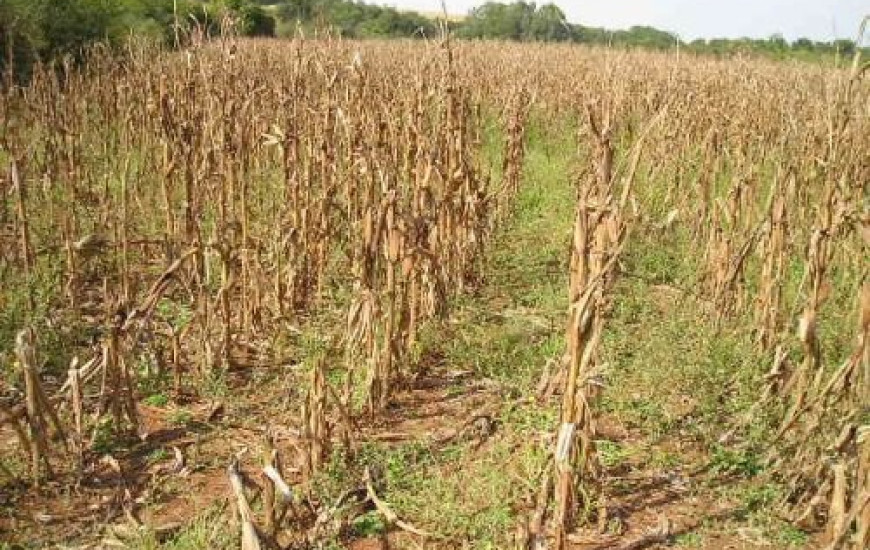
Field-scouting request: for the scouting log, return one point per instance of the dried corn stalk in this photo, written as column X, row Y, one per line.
column 829, row 481
column 43, row 425
column 597, row 240
column 315, row 426
column 250, row 538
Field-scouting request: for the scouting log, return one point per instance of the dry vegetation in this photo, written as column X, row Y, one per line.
column 254, row 254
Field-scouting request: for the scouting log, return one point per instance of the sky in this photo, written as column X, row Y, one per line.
column 816, row 19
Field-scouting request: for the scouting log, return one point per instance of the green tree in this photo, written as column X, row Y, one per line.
column 300, row 10
column 549, row 24
column 70, row 25
column 845, row 48
column 253, row 19
column 21, row 35
column 256, row 22
column 803, row 44
column 496, row 20
column 777, row 42
column 645, row 37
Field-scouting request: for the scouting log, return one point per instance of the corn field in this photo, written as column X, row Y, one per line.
column 299, row 223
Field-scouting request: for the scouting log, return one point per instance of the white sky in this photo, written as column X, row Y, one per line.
column 816, row 19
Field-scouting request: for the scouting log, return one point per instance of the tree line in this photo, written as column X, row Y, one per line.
column 48, row 29
column 527, row 21
column 44, row 29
